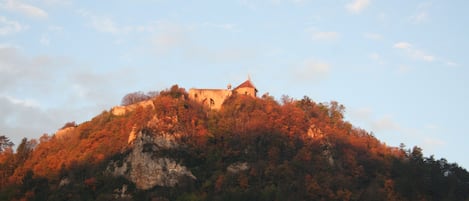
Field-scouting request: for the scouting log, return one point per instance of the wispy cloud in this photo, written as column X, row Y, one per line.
column 83, row 91
column 431, row 143
column 421, row 15
column 402, row 45
column 363, row 113
column 357, row 6
column 377, row 57
column 451, row 63
column 100, row 23
column 22, row 102
column 387, row 126
column 106, row 24
column 57, row 2
column 312, row 69
column 255, row 4
column 385, row 123
column 414, row 52
column 403, row 69
column 224, row 26
column 44, row 40
column 16, row 69
column 166, row 41
column 8, row 27
column 319, row 35
column 373, row 36
column 24, row 8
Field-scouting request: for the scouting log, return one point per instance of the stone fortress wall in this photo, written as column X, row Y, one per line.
column 214, row 98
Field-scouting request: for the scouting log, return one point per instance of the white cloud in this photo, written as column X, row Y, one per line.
column 8, row 27
column 402, row 45
column 414, row 52
column 426, row 57
column 24, row 8
column 324, row 35
column 357, row 6
column 451, row 63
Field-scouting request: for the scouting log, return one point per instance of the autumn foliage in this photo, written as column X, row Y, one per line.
column 295, row 150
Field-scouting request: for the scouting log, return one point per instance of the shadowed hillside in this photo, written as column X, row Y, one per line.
column 169, row 147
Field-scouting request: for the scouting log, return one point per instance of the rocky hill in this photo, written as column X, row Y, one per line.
column 173, row 148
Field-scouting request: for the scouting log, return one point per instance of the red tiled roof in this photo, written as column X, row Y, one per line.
column 246, row 84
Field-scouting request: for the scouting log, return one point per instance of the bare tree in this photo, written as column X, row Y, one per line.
column 69, row 124
column 134, row 97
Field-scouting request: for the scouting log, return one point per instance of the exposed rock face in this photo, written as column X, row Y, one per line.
column 315, row 133
column 145, row 168
column 238, row 167
column 60, row 134
column 132, row 135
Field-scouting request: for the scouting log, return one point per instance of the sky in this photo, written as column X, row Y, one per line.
column 399, row 67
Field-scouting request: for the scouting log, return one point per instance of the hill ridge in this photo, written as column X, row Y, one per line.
column 252, row 148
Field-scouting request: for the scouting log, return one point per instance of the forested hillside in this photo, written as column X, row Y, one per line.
column 250, row 149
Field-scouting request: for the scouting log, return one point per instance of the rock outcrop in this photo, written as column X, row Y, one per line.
column 145, row 166
column 238, row 167
column 62, row 133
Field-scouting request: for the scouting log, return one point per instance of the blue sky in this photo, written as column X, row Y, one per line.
column 399, row 67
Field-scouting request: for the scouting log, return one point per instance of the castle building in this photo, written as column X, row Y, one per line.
column 214, row 98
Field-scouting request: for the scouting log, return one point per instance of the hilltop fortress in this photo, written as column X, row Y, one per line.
column 214, row 98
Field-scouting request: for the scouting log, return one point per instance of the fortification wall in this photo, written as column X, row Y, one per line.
column 212, row 98
column 122, row 110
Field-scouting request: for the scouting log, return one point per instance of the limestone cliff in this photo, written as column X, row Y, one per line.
column 143, row 164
